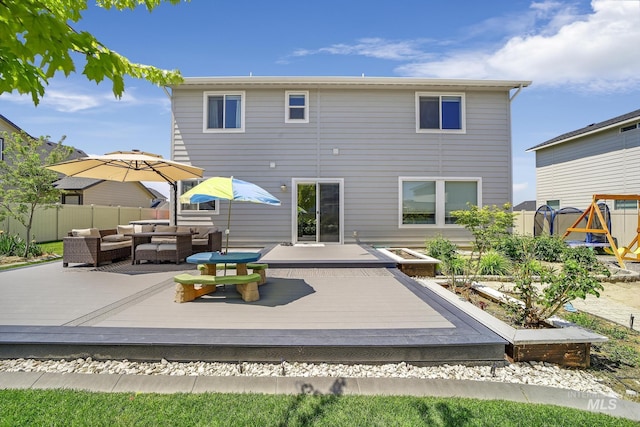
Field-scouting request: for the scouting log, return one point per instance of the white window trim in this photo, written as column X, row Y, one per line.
column 287, row 106
column 440, row 205
column 463, row 114
column 205, row 111
column 200, row 212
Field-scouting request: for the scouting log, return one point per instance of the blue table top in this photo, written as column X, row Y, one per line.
column 220, row 258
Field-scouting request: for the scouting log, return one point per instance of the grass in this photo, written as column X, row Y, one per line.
column 617, row 361
column 77, row 408
column 47, row 248
column 52, row 247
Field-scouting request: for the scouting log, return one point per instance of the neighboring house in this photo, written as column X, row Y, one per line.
column 159, row 199
column 88, row 191
column 378, row 160
column 8, row 126
column 528, row 205
column 601, row 158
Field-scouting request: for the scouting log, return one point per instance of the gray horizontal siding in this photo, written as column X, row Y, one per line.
column 112, row 193
column 601, row 163
column 374, row 131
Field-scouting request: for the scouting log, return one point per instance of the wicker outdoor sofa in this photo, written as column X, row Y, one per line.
column 93, row 246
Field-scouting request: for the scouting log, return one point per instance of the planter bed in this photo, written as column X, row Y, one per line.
column 564, row 343
column 412, row 263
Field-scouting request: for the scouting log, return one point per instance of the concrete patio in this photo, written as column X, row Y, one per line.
column 342, row 303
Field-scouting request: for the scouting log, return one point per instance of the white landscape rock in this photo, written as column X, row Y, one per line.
column 536, row 373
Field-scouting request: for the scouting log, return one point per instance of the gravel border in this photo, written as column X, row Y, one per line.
column 533, row 373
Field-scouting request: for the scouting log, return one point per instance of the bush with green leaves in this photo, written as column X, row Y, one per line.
column 512, row 246
column 582, row 255
column 549, row 248
column 487, row 224
column 455, row 266
column 441, row 248
column 494, row 263
column 14, row 245
column 446, row 251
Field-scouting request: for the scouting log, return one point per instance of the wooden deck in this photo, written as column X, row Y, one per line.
column 320, row 304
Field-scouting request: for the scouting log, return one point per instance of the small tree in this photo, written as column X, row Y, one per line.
column 487, row 225
column 544, row 291
column 24, row 183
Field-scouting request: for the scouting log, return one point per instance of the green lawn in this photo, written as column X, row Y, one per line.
column 52, row 247
column 75, row 408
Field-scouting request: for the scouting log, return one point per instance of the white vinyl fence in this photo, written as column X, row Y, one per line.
column 53, row 224
column 624, row 225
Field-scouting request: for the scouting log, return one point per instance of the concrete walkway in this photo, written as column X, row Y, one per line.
column 337, row 386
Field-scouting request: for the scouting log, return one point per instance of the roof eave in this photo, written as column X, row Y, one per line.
column 381, row 82
column 580, row 135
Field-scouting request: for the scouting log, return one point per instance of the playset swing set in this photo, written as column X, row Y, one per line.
column 596, row 224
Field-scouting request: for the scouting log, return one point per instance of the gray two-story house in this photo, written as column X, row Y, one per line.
column 383, row 161
column 601, row 158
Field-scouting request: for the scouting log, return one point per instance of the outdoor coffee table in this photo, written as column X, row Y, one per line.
column 175, row 252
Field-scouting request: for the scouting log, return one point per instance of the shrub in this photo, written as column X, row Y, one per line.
column 14, row 245
column 441, row 248
column 582, row 255
column 494, row 263
column 512, row 246
column 455, row 266
column 487, row 224
column 549, row 248
column 11, row 245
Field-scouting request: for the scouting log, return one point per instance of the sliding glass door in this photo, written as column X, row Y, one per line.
column 319, row 211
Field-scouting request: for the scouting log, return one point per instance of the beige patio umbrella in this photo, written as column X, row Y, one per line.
column 130, row 166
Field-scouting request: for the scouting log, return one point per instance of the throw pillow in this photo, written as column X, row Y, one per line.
column 116, row 238
column 202, row 232
column 125, row 229
column 165, row 228
column 85, row 232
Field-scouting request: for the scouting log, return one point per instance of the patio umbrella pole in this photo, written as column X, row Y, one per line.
column 174, row 186
column 227, row 231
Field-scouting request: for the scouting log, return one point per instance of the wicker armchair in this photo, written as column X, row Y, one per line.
column 207, row 241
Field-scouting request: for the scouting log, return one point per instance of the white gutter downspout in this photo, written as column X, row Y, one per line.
column 515, row 94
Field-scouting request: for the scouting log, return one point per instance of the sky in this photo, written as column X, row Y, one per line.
column 582, row 57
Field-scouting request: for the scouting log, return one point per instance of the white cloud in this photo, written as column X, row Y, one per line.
column 554, row 43
column 379, row 48
column 69, row 102
column 71, row 98
column 595, row 52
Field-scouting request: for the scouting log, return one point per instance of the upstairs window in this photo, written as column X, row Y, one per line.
column 223, row 112
column 1, row 149
column 440, row 112
column 297, row 109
